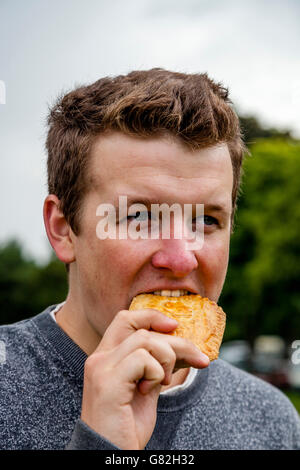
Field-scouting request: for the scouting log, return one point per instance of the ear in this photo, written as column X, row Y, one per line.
column 58, row 230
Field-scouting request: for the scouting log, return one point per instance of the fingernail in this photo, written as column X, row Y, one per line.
column 204, row 358
column 172, row 320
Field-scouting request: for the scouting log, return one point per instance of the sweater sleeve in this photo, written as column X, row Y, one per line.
column 85, row 438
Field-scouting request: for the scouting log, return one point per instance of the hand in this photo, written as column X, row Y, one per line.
column 124, row 375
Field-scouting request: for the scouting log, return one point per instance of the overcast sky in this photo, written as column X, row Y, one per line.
column 50, row 46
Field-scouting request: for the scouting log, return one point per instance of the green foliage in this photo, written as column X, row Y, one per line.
column 294, row 396
column 253, row 130
column 261, row 293
column 26, row 288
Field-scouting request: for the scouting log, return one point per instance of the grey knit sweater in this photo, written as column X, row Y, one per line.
column 41, row 378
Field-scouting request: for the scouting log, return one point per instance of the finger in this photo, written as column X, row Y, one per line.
column 155, row 345
column 172, row 352
column 146, row 386
column 138, row 365
column 127, row 322
column 187, row 354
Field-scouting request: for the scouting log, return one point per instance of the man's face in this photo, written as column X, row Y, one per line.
column 107, row 274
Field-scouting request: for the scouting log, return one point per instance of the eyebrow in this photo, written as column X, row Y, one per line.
column 136, row 200
column 217, row 208
column 147, row 202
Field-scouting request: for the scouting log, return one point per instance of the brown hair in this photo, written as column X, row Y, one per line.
column 191, row 107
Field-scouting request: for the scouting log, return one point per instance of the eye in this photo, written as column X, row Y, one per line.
column 141, row 216
column 208, row 220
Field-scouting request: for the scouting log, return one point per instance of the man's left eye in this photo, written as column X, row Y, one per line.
column 207, row 219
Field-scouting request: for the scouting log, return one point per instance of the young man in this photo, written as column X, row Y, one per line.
column 89, row 373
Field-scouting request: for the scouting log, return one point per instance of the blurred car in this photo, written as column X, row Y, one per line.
column 294, row 365
column 237, row 353
column 293, row 372
column 268, row 361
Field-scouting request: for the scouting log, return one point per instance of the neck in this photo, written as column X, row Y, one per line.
column 76, row 326
column 177, row 379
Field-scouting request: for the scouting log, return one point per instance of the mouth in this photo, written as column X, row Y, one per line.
column 165, row 293
column 169, row 293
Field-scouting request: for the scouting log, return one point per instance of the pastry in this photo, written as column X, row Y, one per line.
column 200, row 320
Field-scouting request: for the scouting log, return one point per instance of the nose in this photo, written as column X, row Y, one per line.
column 174, row 256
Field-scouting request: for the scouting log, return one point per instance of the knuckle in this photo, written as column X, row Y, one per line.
column 96, row 377
column 142, row 354
column 172, row 357
column 159, row 372
column 89, row 365
column 187, row 343
column 92, row 363
column 123, row 315
column 143, row 334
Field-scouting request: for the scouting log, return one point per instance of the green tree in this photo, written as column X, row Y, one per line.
column 25, row 287
column 254, row 130
column 261, row 293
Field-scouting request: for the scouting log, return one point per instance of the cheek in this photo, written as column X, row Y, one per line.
column 213, row 262
column 117, row 261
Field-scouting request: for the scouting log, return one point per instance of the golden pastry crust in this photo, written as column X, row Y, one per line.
column 200, row 320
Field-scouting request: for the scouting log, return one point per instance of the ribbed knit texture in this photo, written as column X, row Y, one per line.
column 41, row 389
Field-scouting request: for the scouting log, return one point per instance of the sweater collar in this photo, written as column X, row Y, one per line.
column 63, row 346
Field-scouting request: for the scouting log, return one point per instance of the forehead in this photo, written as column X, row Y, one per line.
column 159, row 167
